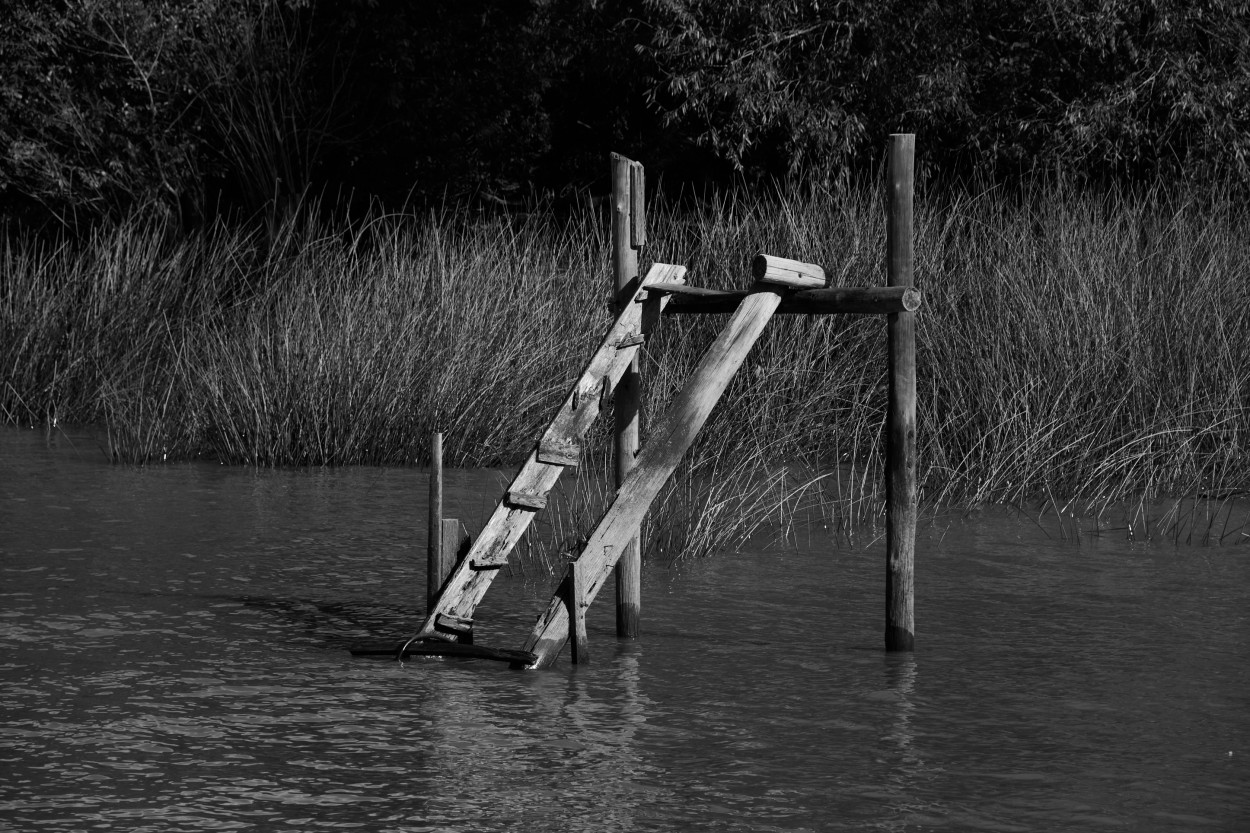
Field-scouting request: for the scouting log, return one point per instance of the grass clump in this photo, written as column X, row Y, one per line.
column 1072, row 348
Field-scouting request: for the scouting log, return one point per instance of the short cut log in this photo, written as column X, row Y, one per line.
column 787, row 272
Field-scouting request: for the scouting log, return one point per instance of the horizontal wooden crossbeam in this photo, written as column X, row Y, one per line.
column 863, row 300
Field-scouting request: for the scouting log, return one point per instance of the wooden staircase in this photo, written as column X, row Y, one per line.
column 451, row 618
column 782, row 286
column 448, row 627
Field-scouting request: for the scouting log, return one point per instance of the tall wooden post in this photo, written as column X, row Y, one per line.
column 900, row 484
column 434, row 572
column 628, row 236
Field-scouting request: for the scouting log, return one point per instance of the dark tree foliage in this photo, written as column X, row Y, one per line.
column 498, row 101
column 95, row 113
column 108, row 106
column 1104, row 90
column 446, row 95
column 192, row 107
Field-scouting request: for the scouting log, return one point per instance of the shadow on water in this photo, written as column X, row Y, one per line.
column 339, row 624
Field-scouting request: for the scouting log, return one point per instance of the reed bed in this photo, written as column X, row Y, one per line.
column 1076, row 351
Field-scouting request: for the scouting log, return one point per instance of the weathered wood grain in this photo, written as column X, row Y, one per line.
column 454, row 543
column 782, row 270
column 628, row 236
column 637, row 206
column 464, row 590
column 527, row 500
column 668, row 442
column 900, row 528
column 573, row 594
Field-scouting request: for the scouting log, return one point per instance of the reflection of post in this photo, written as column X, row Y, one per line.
column 628, row 236
column 908, row 767
column 603, row 714
column 901, row 675
column 900, row 482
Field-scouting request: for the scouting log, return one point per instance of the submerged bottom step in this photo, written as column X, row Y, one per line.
column 441, row 649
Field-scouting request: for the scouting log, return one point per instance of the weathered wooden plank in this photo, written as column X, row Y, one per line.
column 630, row 340
column 454, row 543
column 864, row 300
column 637, row 206
column 580, row 410
column 559, row 451
column 464, row 590
column 455, row 626
column 668, row 442
column 787, row 272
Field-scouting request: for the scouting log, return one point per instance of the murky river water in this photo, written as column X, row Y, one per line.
column 175, row 658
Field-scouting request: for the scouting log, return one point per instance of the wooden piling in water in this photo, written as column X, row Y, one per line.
column 455, row 587
column 434, row 572
column 900, row 489
column 455, row 542
column 628, row 236
column 574, row 600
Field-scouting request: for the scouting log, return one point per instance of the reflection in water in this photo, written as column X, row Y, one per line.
column 174, row 658
column 908, row 768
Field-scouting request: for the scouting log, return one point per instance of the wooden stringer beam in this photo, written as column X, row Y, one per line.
column 667, row 443
column 450, row 619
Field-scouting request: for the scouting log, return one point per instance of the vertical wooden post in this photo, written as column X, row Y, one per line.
column 455, row 543
column 573, row 591
column 628, row 235
column 434, row 573
column 900, row 484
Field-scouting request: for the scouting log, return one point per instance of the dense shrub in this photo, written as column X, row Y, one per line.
column 1111, row 90
column 195, row 106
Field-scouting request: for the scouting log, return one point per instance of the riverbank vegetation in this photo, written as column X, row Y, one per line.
column 1071, row 346
column 167, row 271
column 194, row 108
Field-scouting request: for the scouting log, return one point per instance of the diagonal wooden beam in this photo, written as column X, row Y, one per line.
column 668, row 442
column 451, row 616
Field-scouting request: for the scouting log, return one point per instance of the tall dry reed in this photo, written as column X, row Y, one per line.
column 1073, row 348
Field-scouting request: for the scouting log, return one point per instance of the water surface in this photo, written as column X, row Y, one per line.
column 175, row 658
